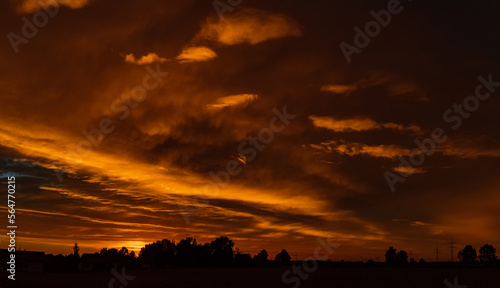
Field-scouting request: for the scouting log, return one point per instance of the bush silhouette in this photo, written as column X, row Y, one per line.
column 283, row 257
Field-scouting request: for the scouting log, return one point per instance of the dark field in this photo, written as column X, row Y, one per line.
column 362, row 277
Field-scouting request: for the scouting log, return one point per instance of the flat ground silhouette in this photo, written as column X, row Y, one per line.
column 335, row 277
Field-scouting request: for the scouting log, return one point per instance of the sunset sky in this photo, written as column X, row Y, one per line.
column 98, row 65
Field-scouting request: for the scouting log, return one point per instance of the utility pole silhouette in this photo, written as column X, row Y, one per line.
column 451, row 247
column 437, row 254
column 410, row 255
column 295, row 256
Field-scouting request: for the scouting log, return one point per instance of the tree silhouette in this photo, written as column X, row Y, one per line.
column 402, row 257
column 74, row 258
column 242, row 259
column 168, row 251
column 261, row 258
column 467, row 255
column 113, row 252
column 186, row 252
column 158, row 253
column 283, row 257
column 391, row 256
column 123, row 251
column 76, row 249
column 370, row 263
column 487, row 254
column 221, row 251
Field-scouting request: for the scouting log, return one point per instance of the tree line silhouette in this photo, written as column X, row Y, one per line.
column 467, row 256
column 487, row 255
column 166, row 253
column 221, row 253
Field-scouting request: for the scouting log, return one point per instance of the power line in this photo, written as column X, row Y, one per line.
column 451, row 247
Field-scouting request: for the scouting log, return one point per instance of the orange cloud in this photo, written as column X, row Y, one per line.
column 233, row 100
column 196, row 54
column 146, row 179
column 338, row 89
column 409, row 170
column 469, row 150
column 30, row 6
column 357, row 124
column 248, row 26
column 399, row 127
column 352, row 149
column 144, row 60
column 419, row 224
